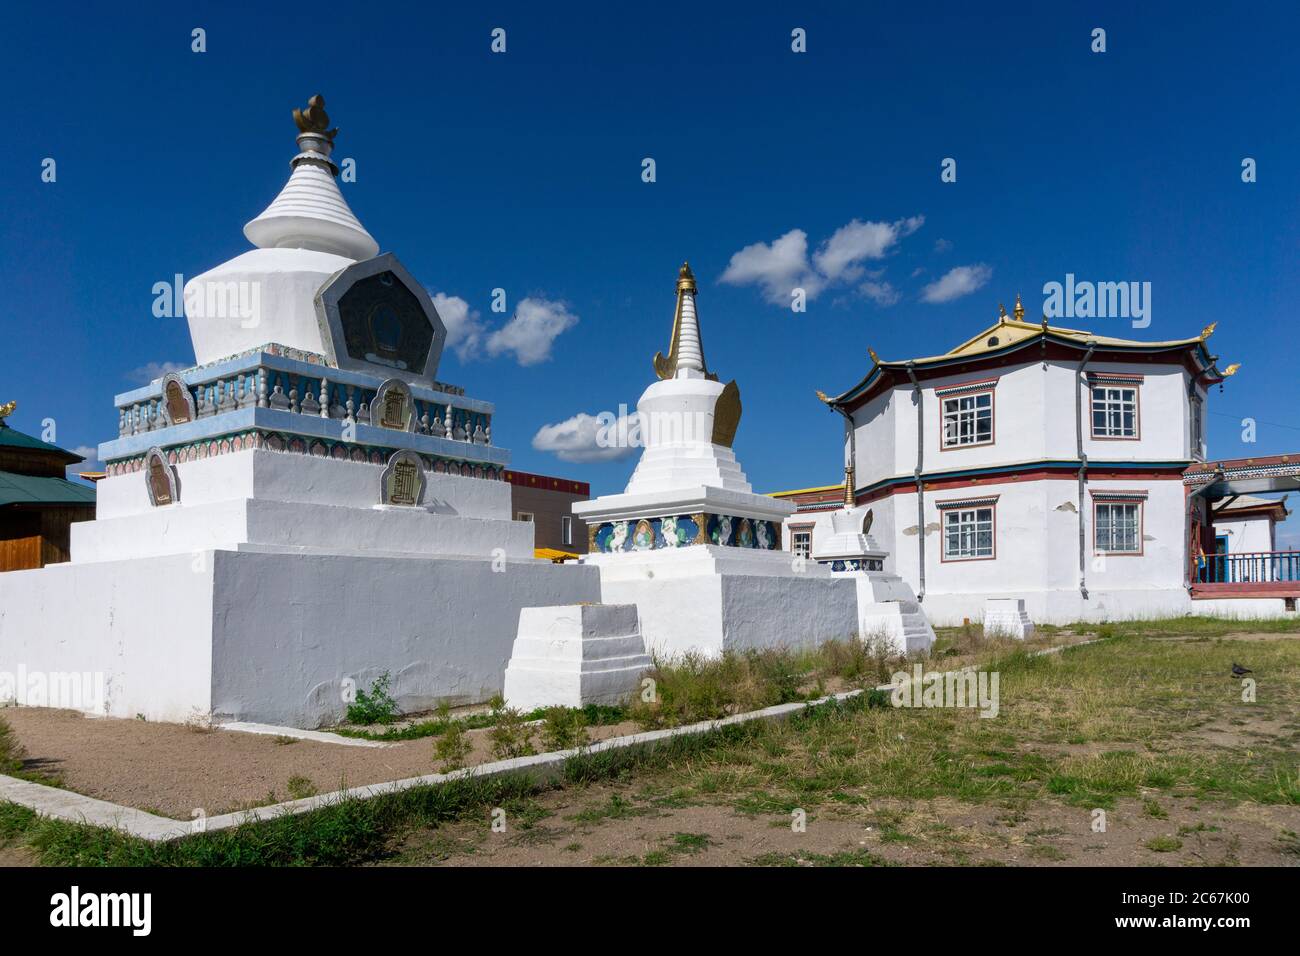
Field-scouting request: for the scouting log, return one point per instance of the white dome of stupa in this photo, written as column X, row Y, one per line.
column 304, row 237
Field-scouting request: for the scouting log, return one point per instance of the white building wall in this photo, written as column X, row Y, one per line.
column 1247, row 534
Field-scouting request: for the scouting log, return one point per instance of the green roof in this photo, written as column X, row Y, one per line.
column 12, row 438
column 34, row 490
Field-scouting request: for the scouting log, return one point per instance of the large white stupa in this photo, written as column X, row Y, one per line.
column 688, row 541
column 304, row 509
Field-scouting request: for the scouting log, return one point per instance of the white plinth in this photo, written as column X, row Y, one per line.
column 574, row 655
column 1007, row 617
column 889, row 611
column 707, row 599
column 275, row 637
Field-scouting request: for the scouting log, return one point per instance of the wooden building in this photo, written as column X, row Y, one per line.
column 37, row 503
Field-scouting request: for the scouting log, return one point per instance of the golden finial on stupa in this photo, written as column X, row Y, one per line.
column 1208, row 330
column 314, row 119
column 1019, row 311
column 7, row 409
column 686, row 279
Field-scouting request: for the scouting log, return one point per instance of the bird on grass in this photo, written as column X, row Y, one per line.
column 1239, row 671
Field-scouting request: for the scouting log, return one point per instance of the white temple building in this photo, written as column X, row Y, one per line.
column 1056, row 466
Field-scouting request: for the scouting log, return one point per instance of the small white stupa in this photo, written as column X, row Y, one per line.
column 688, row 541
column 887, row 606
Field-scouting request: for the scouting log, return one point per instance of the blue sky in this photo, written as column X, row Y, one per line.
column 523, row 171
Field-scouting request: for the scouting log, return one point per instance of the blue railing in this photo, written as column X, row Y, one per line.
column 1248, row 567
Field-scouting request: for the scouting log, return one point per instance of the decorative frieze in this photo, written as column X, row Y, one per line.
column 298, row 445
column 679, row 531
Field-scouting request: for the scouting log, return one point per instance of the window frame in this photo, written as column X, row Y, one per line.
column 947, row 508
column 566, row 529
column 802, row 529
column 1110, row 501
column 955, row 393
column 1105, row 382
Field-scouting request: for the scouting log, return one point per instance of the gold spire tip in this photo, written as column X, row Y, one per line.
column 685, row 278
column 314, row 119
column 1020, row 309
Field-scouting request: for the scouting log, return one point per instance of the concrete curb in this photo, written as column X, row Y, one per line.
column 77, row 808
column 320, row 736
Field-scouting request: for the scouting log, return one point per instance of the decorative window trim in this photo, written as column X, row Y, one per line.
column 1116, row 378
column 983, row 501
column 968, row 389
column 976, row 386
column 1116, row 495
column 1138, row 499
column 988, row 501
column 1105, row 380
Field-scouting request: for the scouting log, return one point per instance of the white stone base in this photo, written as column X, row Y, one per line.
column 575, row 655
column 1006, row 617
column 707, row 599
column 275, row 637
column 888, row 610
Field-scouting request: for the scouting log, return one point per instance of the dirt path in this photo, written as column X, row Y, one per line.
column 612, row 825
column 171, row 769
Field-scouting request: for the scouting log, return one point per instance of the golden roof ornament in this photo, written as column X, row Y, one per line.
column 1019, row 311
column 8, row 409
column 823, row 397
column 314, row 119
column 1002, row 311
column 1228, row 372
column 1208, row 330
column 874, row 357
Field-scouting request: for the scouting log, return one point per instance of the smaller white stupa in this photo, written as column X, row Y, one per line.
column 887, row 607
column 688, row 541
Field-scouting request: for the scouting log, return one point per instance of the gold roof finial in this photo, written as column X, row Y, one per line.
column 1228, row 372
column 7, row 409
column 823, row 396
column 314, row 119
column 1208, row 330
column 1002, row 311
column 874, row 357
column 1019, row 310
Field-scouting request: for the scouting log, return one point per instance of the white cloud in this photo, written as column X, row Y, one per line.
column 153, row 370
column 942, row 245
column 783, row 266
column 465, row 328
column 528, row 335
column 777, row 268
column 532, row 330
column 956, row 283
column 881, row 293
column 92, row 462
column 587, row 438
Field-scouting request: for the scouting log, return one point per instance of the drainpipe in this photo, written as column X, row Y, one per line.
column 917, row 396
column 1083, row 464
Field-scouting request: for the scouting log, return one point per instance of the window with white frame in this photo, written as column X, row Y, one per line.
column 968, row 419
column 1117, row 527
column 1114, row 411
column 967, row 533
column 801, row 543
column 566, row 528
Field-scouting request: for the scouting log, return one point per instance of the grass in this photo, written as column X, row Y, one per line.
column 1140, row 716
